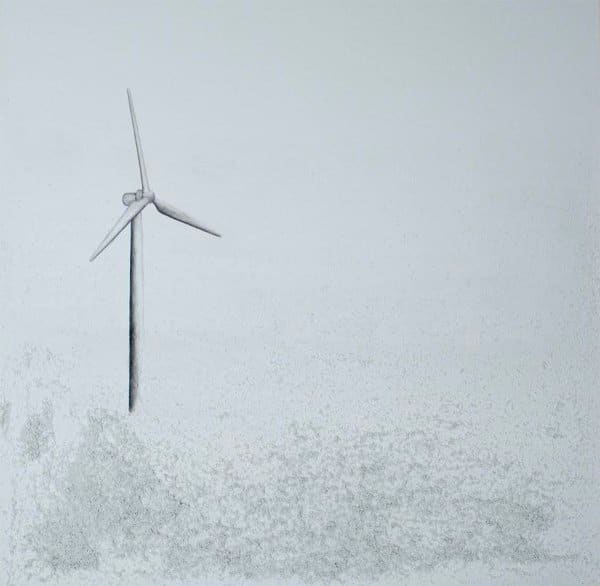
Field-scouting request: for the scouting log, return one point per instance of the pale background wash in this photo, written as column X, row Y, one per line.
column 408, row 197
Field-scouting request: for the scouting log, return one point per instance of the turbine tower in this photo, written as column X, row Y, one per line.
column 135, row 203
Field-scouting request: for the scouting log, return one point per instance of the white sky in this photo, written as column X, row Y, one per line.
column 410, row 185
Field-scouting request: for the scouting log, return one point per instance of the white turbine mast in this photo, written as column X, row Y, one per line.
column 135, row 203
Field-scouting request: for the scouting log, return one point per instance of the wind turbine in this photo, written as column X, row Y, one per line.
column 135, row 203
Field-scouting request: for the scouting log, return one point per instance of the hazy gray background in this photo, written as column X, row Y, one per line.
column 408, row 197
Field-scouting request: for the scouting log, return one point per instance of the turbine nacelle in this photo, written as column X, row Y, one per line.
column 130, row 197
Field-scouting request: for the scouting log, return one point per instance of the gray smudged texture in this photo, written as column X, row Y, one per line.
column 37, row 433
column 318, row 505
column 4, row 416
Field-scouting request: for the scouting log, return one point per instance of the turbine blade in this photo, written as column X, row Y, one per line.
column 180, row 216
column 131, row 212
column 138, row 145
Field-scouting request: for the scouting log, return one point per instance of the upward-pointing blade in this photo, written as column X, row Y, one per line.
column 138, row 145
column 169, row 210
column 131, row 212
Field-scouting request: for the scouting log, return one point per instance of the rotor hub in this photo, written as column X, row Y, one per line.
column 130, row 197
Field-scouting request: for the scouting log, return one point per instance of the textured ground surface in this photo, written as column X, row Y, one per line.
column 413, row 498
